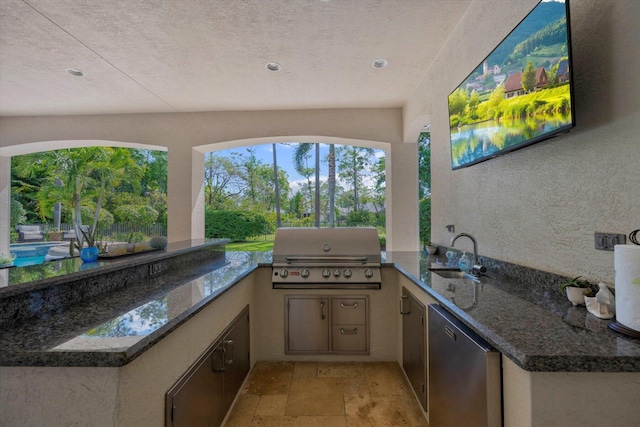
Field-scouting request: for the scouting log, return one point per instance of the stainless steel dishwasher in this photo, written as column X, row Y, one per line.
column 465, row 386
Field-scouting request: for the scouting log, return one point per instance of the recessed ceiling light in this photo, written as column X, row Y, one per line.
column 74, row 72
column 379, row 63
column 273, row 66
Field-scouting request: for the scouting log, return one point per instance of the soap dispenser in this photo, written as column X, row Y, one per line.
column 465, row 263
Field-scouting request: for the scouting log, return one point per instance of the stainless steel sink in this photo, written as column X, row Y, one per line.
column 450, row 274
column 454, row 274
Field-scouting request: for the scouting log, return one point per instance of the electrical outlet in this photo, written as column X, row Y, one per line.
column 156, row 268
column 606, row 241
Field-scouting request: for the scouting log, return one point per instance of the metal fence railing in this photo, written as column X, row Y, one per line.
column 156, row 229
column 269, row 235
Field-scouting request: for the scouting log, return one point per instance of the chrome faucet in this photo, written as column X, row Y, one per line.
column 476, row 268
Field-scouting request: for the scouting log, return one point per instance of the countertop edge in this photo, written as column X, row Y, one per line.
column 529, row 362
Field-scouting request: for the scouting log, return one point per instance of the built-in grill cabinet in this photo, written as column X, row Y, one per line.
column 321, row 324
column 203, row 395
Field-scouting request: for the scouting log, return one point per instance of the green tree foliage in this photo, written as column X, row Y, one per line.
column 18, row 214
column 554, row 33
column 425, row 220
column 424, row 164
column 234, row 225
column 136, row 214
column 83, row 179
column 529, row 78
column 353, row 164
column 458, row 101
column 301, row 158
column 105, row 219
column 361, row 218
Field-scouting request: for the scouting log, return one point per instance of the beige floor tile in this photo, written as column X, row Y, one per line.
column 286, row 394
column 341, row 370
column 301, row 421
column 386, row 379
column 315, row 396
column 305, row 370
column 414, row 411
column 270, row 378
column 357, row 386
column 243, row 410
column 380, row 411
column 272, row 404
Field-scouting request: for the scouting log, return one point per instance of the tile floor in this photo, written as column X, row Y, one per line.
column 324, row 394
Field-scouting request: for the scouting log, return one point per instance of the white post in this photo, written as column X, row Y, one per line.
column 402, row 197
column 185, row 194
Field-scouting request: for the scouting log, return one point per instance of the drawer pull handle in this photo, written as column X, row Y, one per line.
column 322, row 316
column 228, row 343
column 404, row 298
column 353, row 331
column 355, row 305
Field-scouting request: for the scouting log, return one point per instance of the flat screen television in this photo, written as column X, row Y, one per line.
column 520, row 94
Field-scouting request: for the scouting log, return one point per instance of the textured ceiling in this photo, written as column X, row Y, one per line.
column 210, row 55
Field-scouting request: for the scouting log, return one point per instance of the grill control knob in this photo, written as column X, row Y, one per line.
column 284, row 273
column 336, row 273
column 304, row 273
column 347, row 273
column 326, row 273
column 368, row 273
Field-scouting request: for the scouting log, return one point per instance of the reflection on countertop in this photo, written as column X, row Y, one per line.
column 521, row 312
column 518, row 310
column 16, row 278
column 116, row 328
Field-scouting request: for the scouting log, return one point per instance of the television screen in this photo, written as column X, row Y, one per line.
column 520, row 94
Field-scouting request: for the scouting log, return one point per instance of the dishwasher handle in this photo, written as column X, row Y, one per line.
column 450, row 333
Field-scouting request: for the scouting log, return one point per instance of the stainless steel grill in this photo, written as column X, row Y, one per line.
column 327, row 258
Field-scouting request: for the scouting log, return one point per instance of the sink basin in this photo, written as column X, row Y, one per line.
column 450, row 274
column 454, row 274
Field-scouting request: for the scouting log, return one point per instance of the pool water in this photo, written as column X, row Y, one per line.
column 31, row 253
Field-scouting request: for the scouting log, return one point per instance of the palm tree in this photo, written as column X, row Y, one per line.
column 276, row 186
column 300, row 157
column 332, row 184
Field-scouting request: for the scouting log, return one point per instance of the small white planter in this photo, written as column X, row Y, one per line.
column 575, row 295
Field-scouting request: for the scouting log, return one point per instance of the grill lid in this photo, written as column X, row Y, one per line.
column 326, row 246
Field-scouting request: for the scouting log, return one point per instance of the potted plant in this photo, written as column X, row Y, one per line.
column 575, row 289
column 429, row 248
column 55, row 235
column 6, row 260
column 94, row 246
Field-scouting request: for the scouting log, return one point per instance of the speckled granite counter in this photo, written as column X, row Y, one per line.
column 521, row 313
column 119, row 326
column 517, row 310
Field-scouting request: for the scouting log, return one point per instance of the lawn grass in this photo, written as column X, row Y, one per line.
column 250, row 246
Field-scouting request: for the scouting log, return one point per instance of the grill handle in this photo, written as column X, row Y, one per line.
column 326, row 258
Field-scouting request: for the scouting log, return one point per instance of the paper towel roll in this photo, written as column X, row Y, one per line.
column 627, row 269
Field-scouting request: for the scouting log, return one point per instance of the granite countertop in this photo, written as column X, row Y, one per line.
column 527, row 319
column 19, row 279
column 116, row 328
column 532, row 324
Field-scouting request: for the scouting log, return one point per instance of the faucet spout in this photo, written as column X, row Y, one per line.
column 477, row 268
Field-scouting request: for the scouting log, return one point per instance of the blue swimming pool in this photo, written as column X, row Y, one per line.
column 31, row 253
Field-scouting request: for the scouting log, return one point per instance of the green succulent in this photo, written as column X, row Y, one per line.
column 576, row 282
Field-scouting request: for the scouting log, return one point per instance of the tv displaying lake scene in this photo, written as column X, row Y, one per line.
column 520, row 94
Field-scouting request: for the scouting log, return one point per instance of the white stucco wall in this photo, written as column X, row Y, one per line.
column 541, row 205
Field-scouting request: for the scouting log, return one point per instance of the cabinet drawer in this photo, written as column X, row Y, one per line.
column 348, row 311
column 350, row 338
